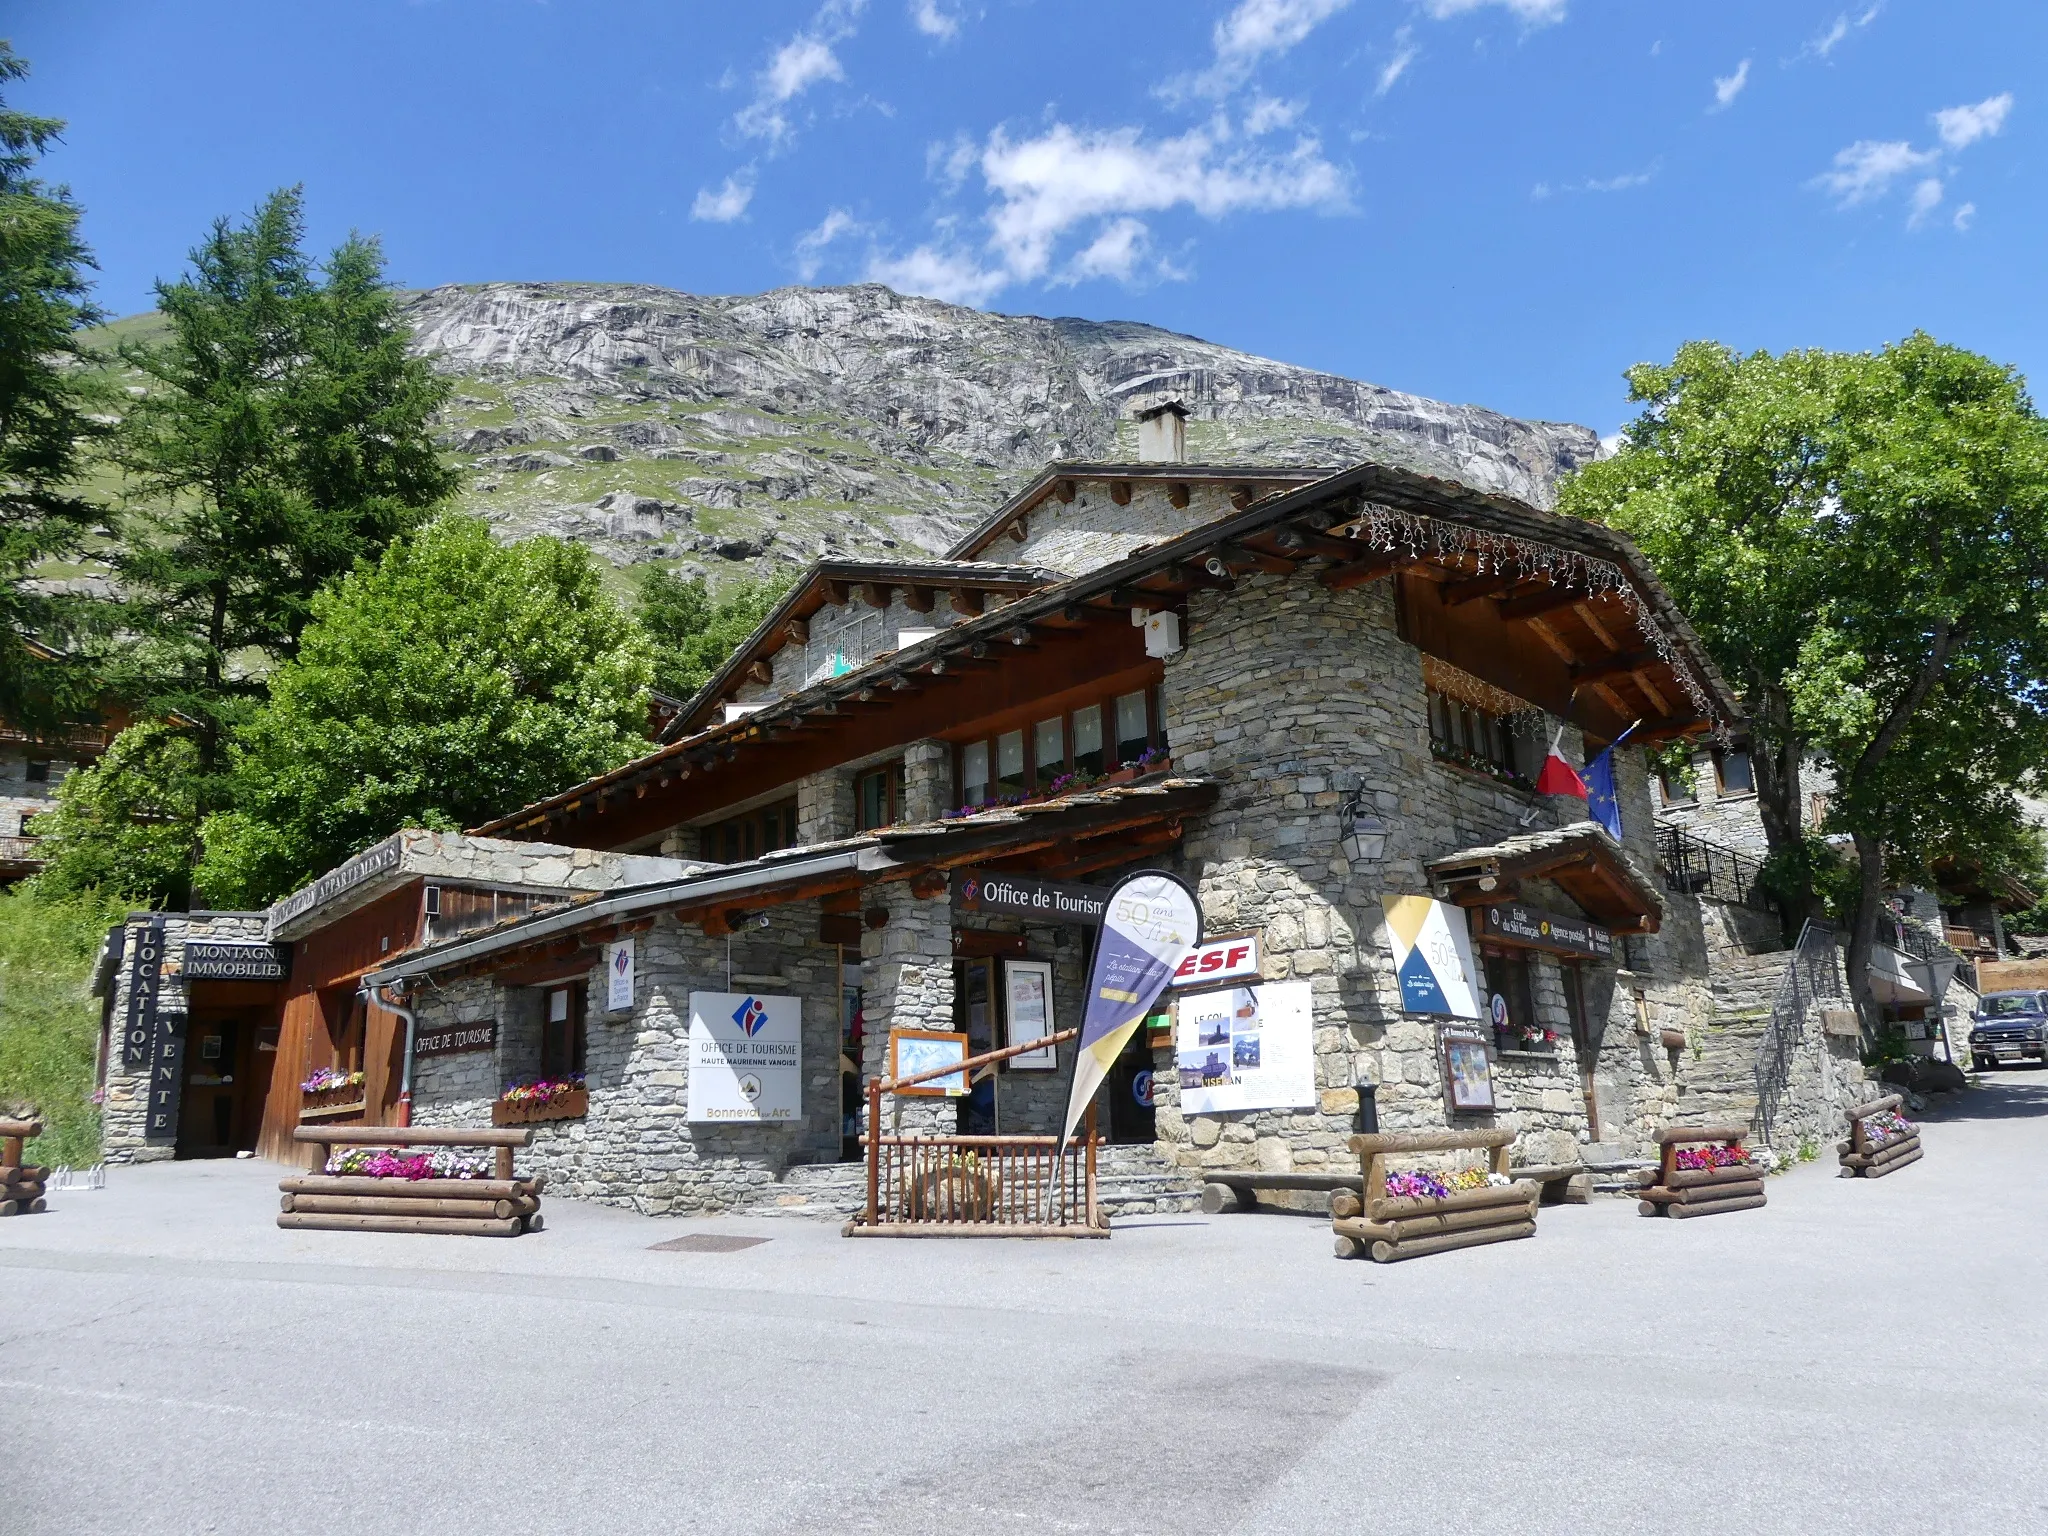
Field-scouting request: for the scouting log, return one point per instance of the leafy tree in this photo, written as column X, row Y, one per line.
column 1862, row 541
column 283, row 437
column 49, row 1022
column 693, row 632
column 127, row 824
column 46, row 413
column 452, row 680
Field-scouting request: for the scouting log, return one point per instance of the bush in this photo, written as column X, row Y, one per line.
column 49, row 1022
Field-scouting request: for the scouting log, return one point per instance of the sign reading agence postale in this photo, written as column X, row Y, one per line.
column 1052, row 901
column 1519, row 925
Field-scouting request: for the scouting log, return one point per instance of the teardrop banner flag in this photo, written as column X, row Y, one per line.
column 1149, row 924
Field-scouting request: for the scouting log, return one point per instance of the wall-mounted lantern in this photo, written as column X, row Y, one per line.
column 1361, row 834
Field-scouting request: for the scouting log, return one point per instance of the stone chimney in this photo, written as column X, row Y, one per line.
column 1163, row 433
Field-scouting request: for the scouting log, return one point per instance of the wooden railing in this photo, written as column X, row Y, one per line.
column 977, row 1186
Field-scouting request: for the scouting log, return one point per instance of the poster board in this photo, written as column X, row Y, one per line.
column 746, row 1058
column 1468, row 1069
column 1028, row 1014
column 912, row 1051
column 618, row 970
column 1432, row 945
column 1246, row 1048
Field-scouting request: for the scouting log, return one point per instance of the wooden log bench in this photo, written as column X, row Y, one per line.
column 1561, row 1183
column 1867, row 1155
column 21, row 1185
column 503, row 1205
column 1682, row 1193
column 1388, row 1228
column 1238, row 1189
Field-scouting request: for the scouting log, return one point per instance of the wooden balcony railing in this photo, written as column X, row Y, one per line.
column 977, row 1186
column 21, row 850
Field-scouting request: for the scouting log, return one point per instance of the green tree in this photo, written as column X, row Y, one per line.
column 453, row 680
column 127, row 824
column 693, row 632
column 282, row 438
column 1862, row 541
column 46, row 414
column 49, row 1021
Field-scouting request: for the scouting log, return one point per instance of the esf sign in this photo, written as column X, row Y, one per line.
column 1235, row 957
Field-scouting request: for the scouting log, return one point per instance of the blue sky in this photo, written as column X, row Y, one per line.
column 1498, row 201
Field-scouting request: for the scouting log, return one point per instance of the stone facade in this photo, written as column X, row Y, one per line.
column 124, row 1102
column 1093, row 531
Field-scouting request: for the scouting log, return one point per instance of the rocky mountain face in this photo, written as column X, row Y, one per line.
column 738, row 435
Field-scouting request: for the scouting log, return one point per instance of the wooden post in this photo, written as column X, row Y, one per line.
column 874, row 1148
column 505, row 1162
column 1089, row 1184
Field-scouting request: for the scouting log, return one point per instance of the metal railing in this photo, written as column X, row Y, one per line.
column 1813, row 972
column 1695, row 867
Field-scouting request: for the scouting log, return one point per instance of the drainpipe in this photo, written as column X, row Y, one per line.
column 386, row 1002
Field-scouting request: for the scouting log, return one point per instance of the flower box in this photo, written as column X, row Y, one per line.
column 337, row 1110
column 573, row 1105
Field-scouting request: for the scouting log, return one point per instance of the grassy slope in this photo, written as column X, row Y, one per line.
column 49, row 1024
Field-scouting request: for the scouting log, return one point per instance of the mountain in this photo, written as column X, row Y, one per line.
column 738, row 435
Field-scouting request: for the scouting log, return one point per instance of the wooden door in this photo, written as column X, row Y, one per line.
column 1584, row 1047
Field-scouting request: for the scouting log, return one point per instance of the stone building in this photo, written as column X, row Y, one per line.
column 1320, row 698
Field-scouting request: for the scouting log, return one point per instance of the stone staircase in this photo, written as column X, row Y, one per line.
column 1129, row 1181
column 1720, row 1073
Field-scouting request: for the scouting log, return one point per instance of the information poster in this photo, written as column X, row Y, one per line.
column 618, row 967
column 746, row 1058
column 1433, row 957
column 1247, row 1048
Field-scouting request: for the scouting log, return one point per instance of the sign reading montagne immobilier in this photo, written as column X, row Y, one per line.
column 213, row 960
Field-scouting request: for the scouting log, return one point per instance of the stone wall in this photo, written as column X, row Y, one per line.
column 907, row 983
column 1092, row 531
column 927, row 780
column 636, row 1146
column 824, row 806
column 124, row 1104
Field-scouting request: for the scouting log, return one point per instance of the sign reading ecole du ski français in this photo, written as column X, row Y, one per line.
column 1053, row 901
column 1521, row 926
column 746, row 1058
column 618, row 971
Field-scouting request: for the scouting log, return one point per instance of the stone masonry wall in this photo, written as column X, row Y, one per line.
column 1093, row 531
column 927, row 780
column 907, row 983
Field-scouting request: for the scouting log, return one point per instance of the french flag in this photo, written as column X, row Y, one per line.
column 1558, row 776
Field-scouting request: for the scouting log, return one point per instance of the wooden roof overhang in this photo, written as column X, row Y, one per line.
column 1061, row 480
column 1074, row 834
column 961, row 587
column 1581, row 860
column 1590, row 636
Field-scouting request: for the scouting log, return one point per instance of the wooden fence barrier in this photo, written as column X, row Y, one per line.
column 1388, row 1229
column 1681, row 1193
column 21, row 1186
column 501, row 1206
column 1870, row 1154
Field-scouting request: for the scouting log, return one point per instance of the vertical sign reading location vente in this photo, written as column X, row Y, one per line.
column 618, row 970
column 746, row 1058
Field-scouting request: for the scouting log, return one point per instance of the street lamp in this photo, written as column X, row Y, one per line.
column 1361, row 834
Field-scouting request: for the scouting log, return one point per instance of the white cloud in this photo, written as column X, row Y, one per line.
column 934, row 19
column 1965, row 217
column 1728, row 87
column 726, row 203
column 1537, row 13
column 810, row 246
column 1404, row 54
column 1867, row 169
column 1259, row 27
column 1926, row 198
column 1067, row 182
column 1838, row 32
column 1626, row 182
column 1268, row 113
column 1960, row 127
column 802, row 62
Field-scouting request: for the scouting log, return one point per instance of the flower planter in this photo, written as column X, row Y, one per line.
column 335, row 1103
column 573, row 1105
column 1674, row 1039
column 342, row 1109
column 1881, row 1141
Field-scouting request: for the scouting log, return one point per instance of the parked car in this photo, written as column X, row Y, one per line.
column 2009, row 1026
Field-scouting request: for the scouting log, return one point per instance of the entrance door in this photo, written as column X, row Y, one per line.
column 227, row 1079
column 1583, row 1044
column 977, row 1011
column 1131, row 1121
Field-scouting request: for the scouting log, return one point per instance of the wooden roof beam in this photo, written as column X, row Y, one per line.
column 1614, row 666
column 876, row 594
column 1542, row 601
column 965, row 601
column 1341, row 578
column 1299, row 540
column 919, row 599
column 1177, row 495
column 1472, row 588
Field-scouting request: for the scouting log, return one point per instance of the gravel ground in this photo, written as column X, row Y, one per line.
column 1856, row 1356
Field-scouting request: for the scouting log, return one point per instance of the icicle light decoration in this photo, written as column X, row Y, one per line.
column 1389, row 530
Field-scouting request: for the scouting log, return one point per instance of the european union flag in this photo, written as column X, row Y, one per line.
column 1603, row 804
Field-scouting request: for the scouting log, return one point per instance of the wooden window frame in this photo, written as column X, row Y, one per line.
column 737, row 839
column 576, row 1027
column 891, row 774
column 1456, row 726
column 1721, row 789
column 1038, row 777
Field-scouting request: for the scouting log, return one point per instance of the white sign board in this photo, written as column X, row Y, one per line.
column 618, row 971
column 1213, row 961
column 746, row 1058
column 1433, row 957
column 1247, row 1048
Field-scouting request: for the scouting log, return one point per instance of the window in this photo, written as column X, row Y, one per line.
column 561, row 1031
column 1732, row 772
column 1515, row 1023
column 749, row 834
column 1474, row 738
column 39, row 770
column 1019, row 763
column 974, row 773
column 878, row 798
column 1088, row 739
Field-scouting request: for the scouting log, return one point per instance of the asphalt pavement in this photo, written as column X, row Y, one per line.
column 1857, row 1356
